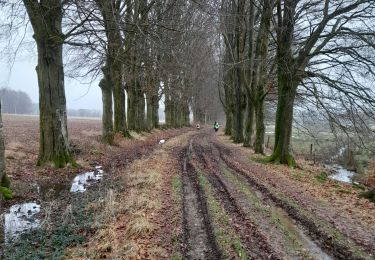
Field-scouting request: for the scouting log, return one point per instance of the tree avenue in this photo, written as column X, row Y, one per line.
column 313, row 50
column 247, row 59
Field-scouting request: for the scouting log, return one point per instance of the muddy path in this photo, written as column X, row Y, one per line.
column 256, row 243
column 269, row 225
column 198, row 234
column 317, row 233
column 313, row 226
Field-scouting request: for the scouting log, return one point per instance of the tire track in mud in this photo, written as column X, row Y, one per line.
column 318, row 234
column 199, row 240
column 256, row 243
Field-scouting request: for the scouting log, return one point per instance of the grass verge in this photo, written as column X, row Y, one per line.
column 226, row 237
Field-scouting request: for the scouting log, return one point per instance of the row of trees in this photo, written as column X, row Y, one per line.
column 143, row 50
column 15, row 102
column 310, row 53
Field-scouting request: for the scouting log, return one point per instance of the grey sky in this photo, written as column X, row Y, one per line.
column 23, row 77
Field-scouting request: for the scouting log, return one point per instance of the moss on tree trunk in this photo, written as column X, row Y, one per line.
column 249, row 124
column 111, row 14
column 260, row 128
column 46, row 19
column 107, row 117
column 287, row 87
column 5, row 192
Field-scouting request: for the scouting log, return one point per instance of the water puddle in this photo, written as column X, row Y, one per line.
column 341, row 174
column 20, row 219
column 84, row 180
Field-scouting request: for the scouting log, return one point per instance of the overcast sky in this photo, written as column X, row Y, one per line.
column 22, row 76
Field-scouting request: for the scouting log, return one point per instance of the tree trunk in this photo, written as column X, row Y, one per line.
column 149, row 113
column 119, row 101
column 46, row 19
column 2, row 150
column 155, row 111
column 141, row 117
column 228, row 104
column 132, row 105
column 287, row 87
column 238, row 110
column 249, row 124
column 261, row 73
column 110, row 10
column 54, row 145
column 107, row 118
column 260, row 128
column 4, row 180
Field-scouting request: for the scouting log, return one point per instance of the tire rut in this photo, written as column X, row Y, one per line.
column 324, row 240
column 199, row 237
column 256, row 243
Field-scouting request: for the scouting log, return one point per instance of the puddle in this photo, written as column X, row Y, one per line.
column 341, row 174
column 84, row 180
column 20, row 219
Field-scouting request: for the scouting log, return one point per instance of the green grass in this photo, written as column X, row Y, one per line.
column 322, row 177
column 226, row 237
column 177, row 196
column 6, row 193
column 264, row 210
column 61, row 230
column 177, row 185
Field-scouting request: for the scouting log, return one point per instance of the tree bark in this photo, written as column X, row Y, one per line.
column 249, row 121
column 249, row 125
column 46, row 20
column 287, row 87
column 110, row 10
column 107, row 118
column 287, row 83
column 132, row 106
column 262, row 53
column 4, row 181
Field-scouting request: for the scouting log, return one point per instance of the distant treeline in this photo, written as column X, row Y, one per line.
column 16, row 102
column 84, row 112
column 19, row 102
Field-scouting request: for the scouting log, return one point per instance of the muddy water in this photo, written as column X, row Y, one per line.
column 341, row 174
column 19, row 219
column 84, row 180
column 22, row 218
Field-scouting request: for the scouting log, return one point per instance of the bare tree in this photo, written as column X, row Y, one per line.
column 305, row 49
column 259, row 79
column 46, row 20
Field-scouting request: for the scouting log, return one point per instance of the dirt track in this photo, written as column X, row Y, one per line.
column 199, row 196
column 269, row 224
